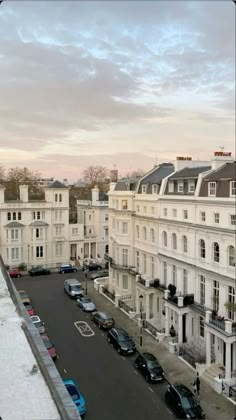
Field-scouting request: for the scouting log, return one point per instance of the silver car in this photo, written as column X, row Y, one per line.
column 38, row 324
column 86, row 304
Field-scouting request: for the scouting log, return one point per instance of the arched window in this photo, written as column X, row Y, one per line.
column 216, row 252
column 185, row 243
column 164, row 238
column 231, row 254
column 137, row 231
column 202, row 248
column 152, row 235
column 174, row 241
column 144, row 233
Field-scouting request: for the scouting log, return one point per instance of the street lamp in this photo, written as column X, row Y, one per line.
column 86, row 280
column 141, row 320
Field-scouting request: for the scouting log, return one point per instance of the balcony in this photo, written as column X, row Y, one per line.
column 108, row 258
column 120, row 267
column 179, row 301
column 155, row 283
column 225, row 326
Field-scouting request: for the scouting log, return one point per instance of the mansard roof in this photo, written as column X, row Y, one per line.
column 156, row 175
column 227, row 171
column 190, row 172
column 126, row 184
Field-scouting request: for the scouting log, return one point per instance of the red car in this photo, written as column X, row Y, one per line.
column 49, row 346
column 29, row 308
column 14, row 273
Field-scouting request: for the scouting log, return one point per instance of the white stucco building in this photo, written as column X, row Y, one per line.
column 176, row 226
column 37, row 232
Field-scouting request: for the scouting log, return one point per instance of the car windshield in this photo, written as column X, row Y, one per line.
column 188, row 402
column 152, row 364
column 27, row 305
column 123, row 337
column 47, row 343
column 23, row 295
column 75, row 287
column 108, row 319
column 85, row 300
column 73, row 392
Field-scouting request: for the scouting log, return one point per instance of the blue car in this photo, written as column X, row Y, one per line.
column 76, row 396
column 67, row 268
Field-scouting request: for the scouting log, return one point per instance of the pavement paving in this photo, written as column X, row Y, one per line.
column 214, row 405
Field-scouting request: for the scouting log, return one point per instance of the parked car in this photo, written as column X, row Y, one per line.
column 67, row 268
column 23, row 296
column 14, row 273
column 103, row 320
column 39, row 271
column 92, row 267
column 121, row 340
column 76, row 396
column 150, row 367
column 85, row 303
column 73, row 288
column 183, row 402
column 38, row 324
column 29, row 308
column 49, row 346
column 101, row 273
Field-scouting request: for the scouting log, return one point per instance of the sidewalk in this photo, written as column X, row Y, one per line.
column 214, row 405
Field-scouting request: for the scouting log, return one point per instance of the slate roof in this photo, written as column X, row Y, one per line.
column 156, row 176
column 14, row 225
column 38, row 223
column 190, row 172
column 227, row 171
column 126, row 184
column 57, row 184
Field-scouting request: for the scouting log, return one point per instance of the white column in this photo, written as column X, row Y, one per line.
column 208, row 348
column 180, row 328
column 228, row 362
column 147, row 308
column 89, row 244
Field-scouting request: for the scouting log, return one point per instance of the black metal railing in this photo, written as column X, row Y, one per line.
column 153, row 330
column 113, row 264
column 219, row 323
column 157, row 284
column 188, row 299
column 108, row 293
column 124, row 306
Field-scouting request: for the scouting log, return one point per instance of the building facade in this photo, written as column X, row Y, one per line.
column 172, row 253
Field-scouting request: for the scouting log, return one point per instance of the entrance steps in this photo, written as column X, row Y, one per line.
column 214, row 370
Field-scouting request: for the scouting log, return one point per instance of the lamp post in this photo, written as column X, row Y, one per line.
column 86, row 280
column 141, row 320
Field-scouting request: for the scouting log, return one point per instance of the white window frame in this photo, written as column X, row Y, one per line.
column 216, row 218
column 174, row 212
column 212, row 189
column 154, row 189
column 171, row 187
column 144, row 263
column 125, row 257
column 180, row 186
column 231, row 256
column 165, row 211
column 232, row 188
column 125, row 228
column 233, row 219
column 185, row 281
column 202, row 290
column 39, row 251
column 185, row 243
column 125, row 282
column 185, row 214
column 191, row 186
column 144, row 189
column 203, row 216
column 124, row 204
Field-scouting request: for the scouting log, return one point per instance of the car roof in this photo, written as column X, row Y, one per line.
column 72, row 281
column 69, row 382
column 22, row 291
column 120, row 331
column 65, row 265
column 182, row 390
column 104, row 314
column 149, row 356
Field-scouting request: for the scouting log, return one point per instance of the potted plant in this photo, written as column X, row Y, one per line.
column 172, row 331
column 231, row 306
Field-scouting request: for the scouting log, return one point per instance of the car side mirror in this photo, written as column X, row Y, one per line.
column 179, row 404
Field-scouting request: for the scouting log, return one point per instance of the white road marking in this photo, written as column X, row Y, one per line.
column 84, row 329
column 64, row 370
column 58, row 357
column 150, row 389
column 102, row 334
column 135, row 371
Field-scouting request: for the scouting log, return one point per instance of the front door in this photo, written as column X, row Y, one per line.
column 224, row 352
column 184, row 329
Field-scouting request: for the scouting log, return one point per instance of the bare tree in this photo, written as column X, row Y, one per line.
column 15, row 177
column 137, row 173
column 96, row 175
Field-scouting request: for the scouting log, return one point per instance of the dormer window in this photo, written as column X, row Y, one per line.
column 212, row 189
column 171, row 187
column 233, row 188
column 191, row 186
column 154, row 189
column 180, row 187
column 144, row 188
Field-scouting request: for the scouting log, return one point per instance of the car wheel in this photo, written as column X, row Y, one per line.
column 109, row 339
column 62, row 272
column 74, row 271
column 136, row 365
column 147, row 378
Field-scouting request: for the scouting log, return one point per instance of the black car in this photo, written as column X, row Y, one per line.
column 103, row 320
column 183, row 402
column 92, row 267
column 150, row 367
column 121, row 340
column 39, row 271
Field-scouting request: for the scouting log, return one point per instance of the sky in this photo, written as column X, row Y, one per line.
column 122, row 84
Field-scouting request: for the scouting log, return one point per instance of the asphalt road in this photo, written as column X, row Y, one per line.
column 112, row 388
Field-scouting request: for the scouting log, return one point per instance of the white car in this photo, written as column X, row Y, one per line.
column 85, row 303
column 38, row 324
